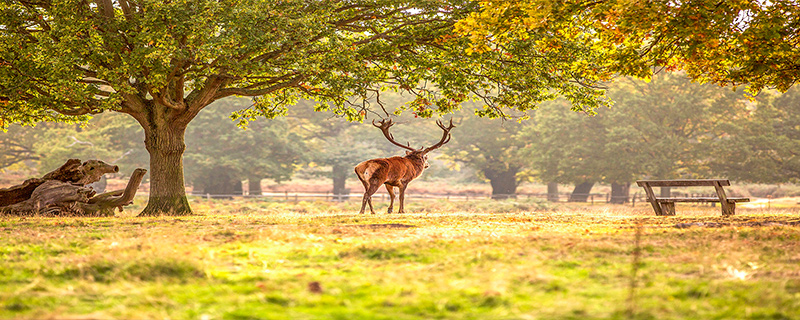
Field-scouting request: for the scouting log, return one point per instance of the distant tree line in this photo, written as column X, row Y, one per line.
column 669, row 127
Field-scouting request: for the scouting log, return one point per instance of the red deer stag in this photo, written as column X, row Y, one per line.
column 395, row 171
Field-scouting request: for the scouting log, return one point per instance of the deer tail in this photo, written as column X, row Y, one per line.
column 365, row 170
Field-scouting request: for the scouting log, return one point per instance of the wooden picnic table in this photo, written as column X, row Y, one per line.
column 665, row 206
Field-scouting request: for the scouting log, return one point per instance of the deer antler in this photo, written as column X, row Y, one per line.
column 384, row 126
column 445, row 136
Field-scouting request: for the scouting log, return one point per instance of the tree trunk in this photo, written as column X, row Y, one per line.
column 620, row 192
column 339, row 174
column 581, row 192
column 165, row 143
column 254, row 186
column 504, row 182
column 552, row 191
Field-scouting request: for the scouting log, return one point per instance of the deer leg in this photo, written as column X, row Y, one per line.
column 368, row 197
column 369, row 200
column 402, row 197
column 390, row 189
column 363, row 203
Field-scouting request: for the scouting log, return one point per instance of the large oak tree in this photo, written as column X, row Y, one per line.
column 162, row 62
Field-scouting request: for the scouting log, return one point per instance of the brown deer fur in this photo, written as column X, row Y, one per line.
column 395, row 171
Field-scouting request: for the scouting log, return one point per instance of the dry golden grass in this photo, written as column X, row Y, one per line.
column 252, row 260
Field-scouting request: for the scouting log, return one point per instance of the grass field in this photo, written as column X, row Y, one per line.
column 477, row 260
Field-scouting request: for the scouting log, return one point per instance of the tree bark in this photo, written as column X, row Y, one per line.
column 67, row 172
column 19, row 193
column 504, row 182
column 620, row 193
column 552, row 191
column 165, row 143
column 339, row 174
column 581, row 192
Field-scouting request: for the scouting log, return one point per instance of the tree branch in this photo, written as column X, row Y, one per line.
column 293, row 81
column 126, row 10
column 198, row 99
column 106, row 8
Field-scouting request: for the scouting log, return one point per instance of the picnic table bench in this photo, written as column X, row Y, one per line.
column 665, row 206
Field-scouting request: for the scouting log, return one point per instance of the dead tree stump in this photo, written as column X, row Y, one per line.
column 64, row 192
column 19, row 193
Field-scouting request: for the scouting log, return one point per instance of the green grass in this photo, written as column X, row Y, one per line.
column 526, row 260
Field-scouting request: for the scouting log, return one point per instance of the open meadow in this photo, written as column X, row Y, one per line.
column 246, row 259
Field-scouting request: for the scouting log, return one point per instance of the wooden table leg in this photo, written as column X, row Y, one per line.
column 731, row 209
column 651, row 197
column 728, row 208
column 668, row 208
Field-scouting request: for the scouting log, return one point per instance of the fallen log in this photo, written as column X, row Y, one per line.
column 104, row 203
column 73, row 172
column 20, row 192
column 58, row 198
column 64, row 191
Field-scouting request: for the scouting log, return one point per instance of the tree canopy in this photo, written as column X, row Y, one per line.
column 726, row 42
column 163, row 62
column 68, row 58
